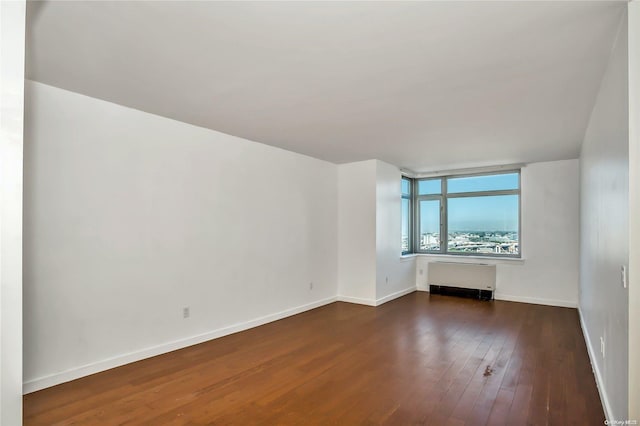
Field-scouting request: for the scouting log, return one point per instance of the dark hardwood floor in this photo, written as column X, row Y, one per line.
column 419, row 359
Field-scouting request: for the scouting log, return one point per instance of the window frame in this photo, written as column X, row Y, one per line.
column 429, row 197
column 408, row 197
column 444, row 197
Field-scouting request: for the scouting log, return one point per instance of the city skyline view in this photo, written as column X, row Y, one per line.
column 481, row 242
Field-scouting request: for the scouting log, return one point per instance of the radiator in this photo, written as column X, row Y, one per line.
column 462, row 275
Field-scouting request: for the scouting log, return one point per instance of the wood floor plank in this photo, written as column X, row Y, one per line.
column 419, row 359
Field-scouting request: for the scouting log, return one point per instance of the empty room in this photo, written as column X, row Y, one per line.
column 320, row 213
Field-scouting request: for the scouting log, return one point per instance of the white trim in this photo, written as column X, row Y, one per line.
column 117, row 361
column 395, row 295
column 594, row 367
column 357, row 300
column 376, row 302
column 536, row 301
column 407, row 257
column 422, row 288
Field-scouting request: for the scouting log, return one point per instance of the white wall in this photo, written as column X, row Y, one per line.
column 548, row 271
column 604, row 224
column 634, row 207
column 371, row 270
column 394, row 275
column 12, row 37
column 129, row 217
column 357, row 232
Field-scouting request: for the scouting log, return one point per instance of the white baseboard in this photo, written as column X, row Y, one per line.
column 357, row 300
column 107, row 364
column 596, row 371
column 395, row 295
column 376, row 302
column 536, row 301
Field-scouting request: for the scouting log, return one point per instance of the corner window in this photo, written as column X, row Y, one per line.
column 465, row 214
column 407, row 203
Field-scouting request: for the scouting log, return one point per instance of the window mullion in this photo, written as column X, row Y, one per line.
column 415, row 223
column 444, row 231
column 484, row 193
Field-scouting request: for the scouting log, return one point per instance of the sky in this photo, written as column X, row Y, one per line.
column 494, row 213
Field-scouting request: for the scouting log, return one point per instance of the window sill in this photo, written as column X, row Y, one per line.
column 489, row 260
column 407, row 257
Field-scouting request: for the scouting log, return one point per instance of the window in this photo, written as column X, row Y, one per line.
column 465, row 214
column 406, row 215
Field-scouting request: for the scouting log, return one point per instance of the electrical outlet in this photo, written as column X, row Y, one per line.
column 623, row 273
column 386, row 280
column 311, row 286
column 602, row 349
column 186, row 312
column 421, row 272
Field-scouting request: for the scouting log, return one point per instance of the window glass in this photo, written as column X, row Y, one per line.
column 429, row 238
column 406, row 186
column 487, row 224
column 498, row 182
column 406, row 211
column 429, row 186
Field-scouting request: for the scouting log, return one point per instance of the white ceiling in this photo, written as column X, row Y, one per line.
column 422, row 85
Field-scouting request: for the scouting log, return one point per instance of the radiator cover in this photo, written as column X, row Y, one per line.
column 462, row 275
